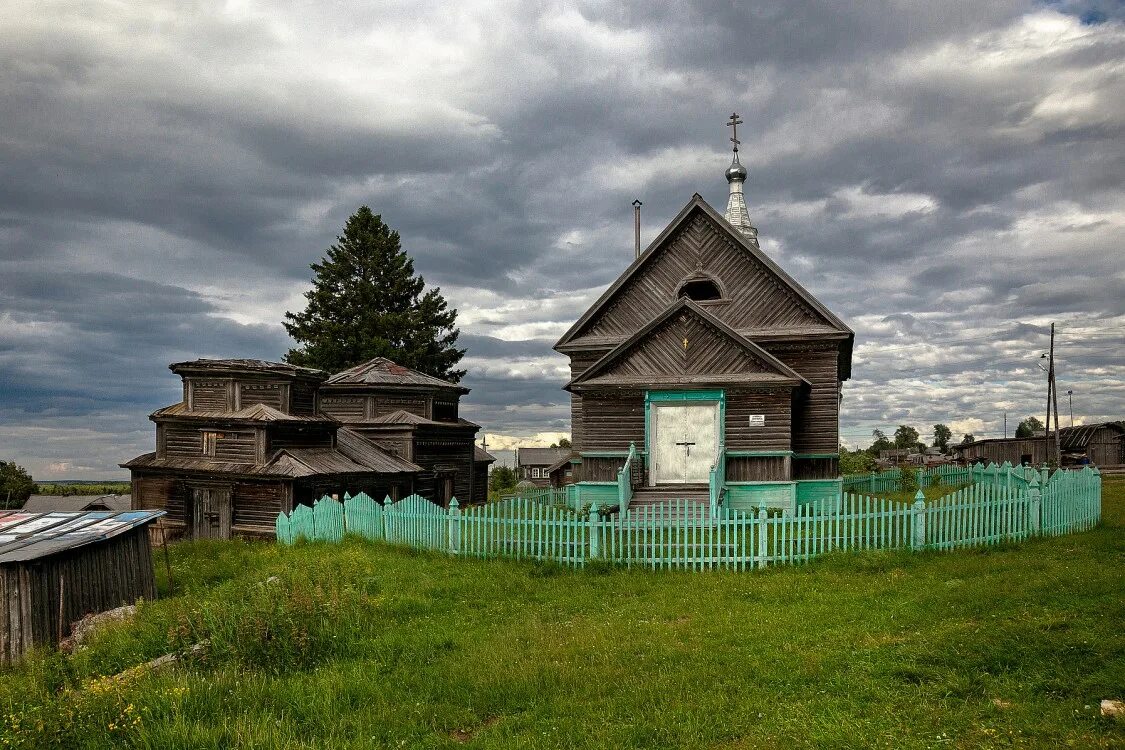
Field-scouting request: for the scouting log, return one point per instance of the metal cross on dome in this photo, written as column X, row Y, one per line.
column 733, row 124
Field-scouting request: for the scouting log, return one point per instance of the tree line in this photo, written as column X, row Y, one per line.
column 908, row 438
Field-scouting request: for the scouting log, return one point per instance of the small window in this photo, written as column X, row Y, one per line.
column 535, row 473
column 700, row 290
column 209, row 441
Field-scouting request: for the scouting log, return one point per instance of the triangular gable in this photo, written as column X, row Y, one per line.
column 700, row 243
column 686, row 345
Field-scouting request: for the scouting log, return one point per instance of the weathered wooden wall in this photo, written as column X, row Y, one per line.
column 44, row 597
column 816, row 411
column 1106, row 448
column 775, row 405
column 816, row 468
column 611, row 421
column 757, row 468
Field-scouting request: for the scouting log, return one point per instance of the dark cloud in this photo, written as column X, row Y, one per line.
column 935, row 173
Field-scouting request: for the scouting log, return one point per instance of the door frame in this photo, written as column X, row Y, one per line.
column 686, row 397
column 226, row 522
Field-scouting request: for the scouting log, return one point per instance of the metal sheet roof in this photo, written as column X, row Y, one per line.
column 28, row 536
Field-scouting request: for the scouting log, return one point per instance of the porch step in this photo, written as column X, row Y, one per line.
column 678, row 500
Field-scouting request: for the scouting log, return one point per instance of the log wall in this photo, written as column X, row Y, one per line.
column 44, row 597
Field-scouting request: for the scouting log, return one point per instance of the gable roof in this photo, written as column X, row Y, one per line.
column 757, row 366
column 540, row 456
column 383, row 372
column 49, row 503
column 698, row 206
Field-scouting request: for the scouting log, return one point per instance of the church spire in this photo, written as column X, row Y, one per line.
column 737, row 213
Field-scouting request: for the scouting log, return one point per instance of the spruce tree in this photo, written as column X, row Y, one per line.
column 367, row 302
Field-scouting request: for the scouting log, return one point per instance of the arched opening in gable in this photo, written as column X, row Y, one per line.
column 700, row 290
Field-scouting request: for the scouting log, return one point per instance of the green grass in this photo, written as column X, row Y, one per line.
column 361, row 645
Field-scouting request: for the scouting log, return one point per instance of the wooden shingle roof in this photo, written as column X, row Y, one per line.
column 254, row 413
column 243, row 366
column 388, row 374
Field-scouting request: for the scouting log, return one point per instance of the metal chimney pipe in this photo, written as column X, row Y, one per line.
column 637, row 227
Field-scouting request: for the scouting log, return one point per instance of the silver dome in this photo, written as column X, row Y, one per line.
column 736, row 171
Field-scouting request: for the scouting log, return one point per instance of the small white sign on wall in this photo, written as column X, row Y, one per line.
column 757, row 420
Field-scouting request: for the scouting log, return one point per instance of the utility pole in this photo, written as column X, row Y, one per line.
column 1052, row 401
column 1005, row 425
column 1070, row 400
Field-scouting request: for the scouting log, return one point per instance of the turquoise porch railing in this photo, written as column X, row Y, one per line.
column 716, row 482
column 625, row 480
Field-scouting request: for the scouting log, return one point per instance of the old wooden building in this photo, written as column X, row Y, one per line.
column 415, row 417
column 1097, row 444
column 535, row 464
column 251, row 439
column 705, row 353
column 55, row 568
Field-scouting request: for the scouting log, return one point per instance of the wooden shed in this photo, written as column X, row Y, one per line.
column 55, row 568
column 1098, row 444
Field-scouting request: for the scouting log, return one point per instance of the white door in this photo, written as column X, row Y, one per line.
column 684, row 440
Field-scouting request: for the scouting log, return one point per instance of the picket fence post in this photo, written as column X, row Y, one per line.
column 386, row 519
column 919, row 540
column 763, row 534
column 454, row 526
column 1034, row 506
column 593, row 521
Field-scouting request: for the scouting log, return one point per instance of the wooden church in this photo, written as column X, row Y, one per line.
column 251, row 439
column 704, row 353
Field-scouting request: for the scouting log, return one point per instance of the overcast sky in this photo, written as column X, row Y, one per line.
column 946, row 177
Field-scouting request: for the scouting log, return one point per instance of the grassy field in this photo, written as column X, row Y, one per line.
column 360, row 645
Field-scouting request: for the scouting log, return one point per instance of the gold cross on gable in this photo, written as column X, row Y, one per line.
column 733, row 125
column 685, row 343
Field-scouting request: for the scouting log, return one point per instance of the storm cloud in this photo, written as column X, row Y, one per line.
column 947, row 177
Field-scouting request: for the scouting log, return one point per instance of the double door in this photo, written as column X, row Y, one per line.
column 211, row 512
column 684, row 440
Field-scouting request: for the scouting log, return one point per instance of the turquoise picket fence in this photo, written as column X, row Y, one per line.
column 999, row 505
column 946, row 474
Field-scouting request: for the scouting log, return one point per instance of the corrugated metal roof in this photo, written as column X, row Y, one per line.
column 246, row 365
column 252, row 413
column 27, row 536
column 383, row 372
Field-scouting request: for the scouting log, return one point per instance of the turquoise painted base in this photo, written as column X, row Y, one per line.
column 587, row 493
column 823, row 493
column 749, row 496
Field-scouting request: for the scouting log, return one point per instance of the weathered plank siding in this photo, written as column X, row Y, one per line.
column 775, row 405
column 613, row 420
column 45, row 596
column 816, row 411
column 255, row 505
column 757, row 468
column 753, row 298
